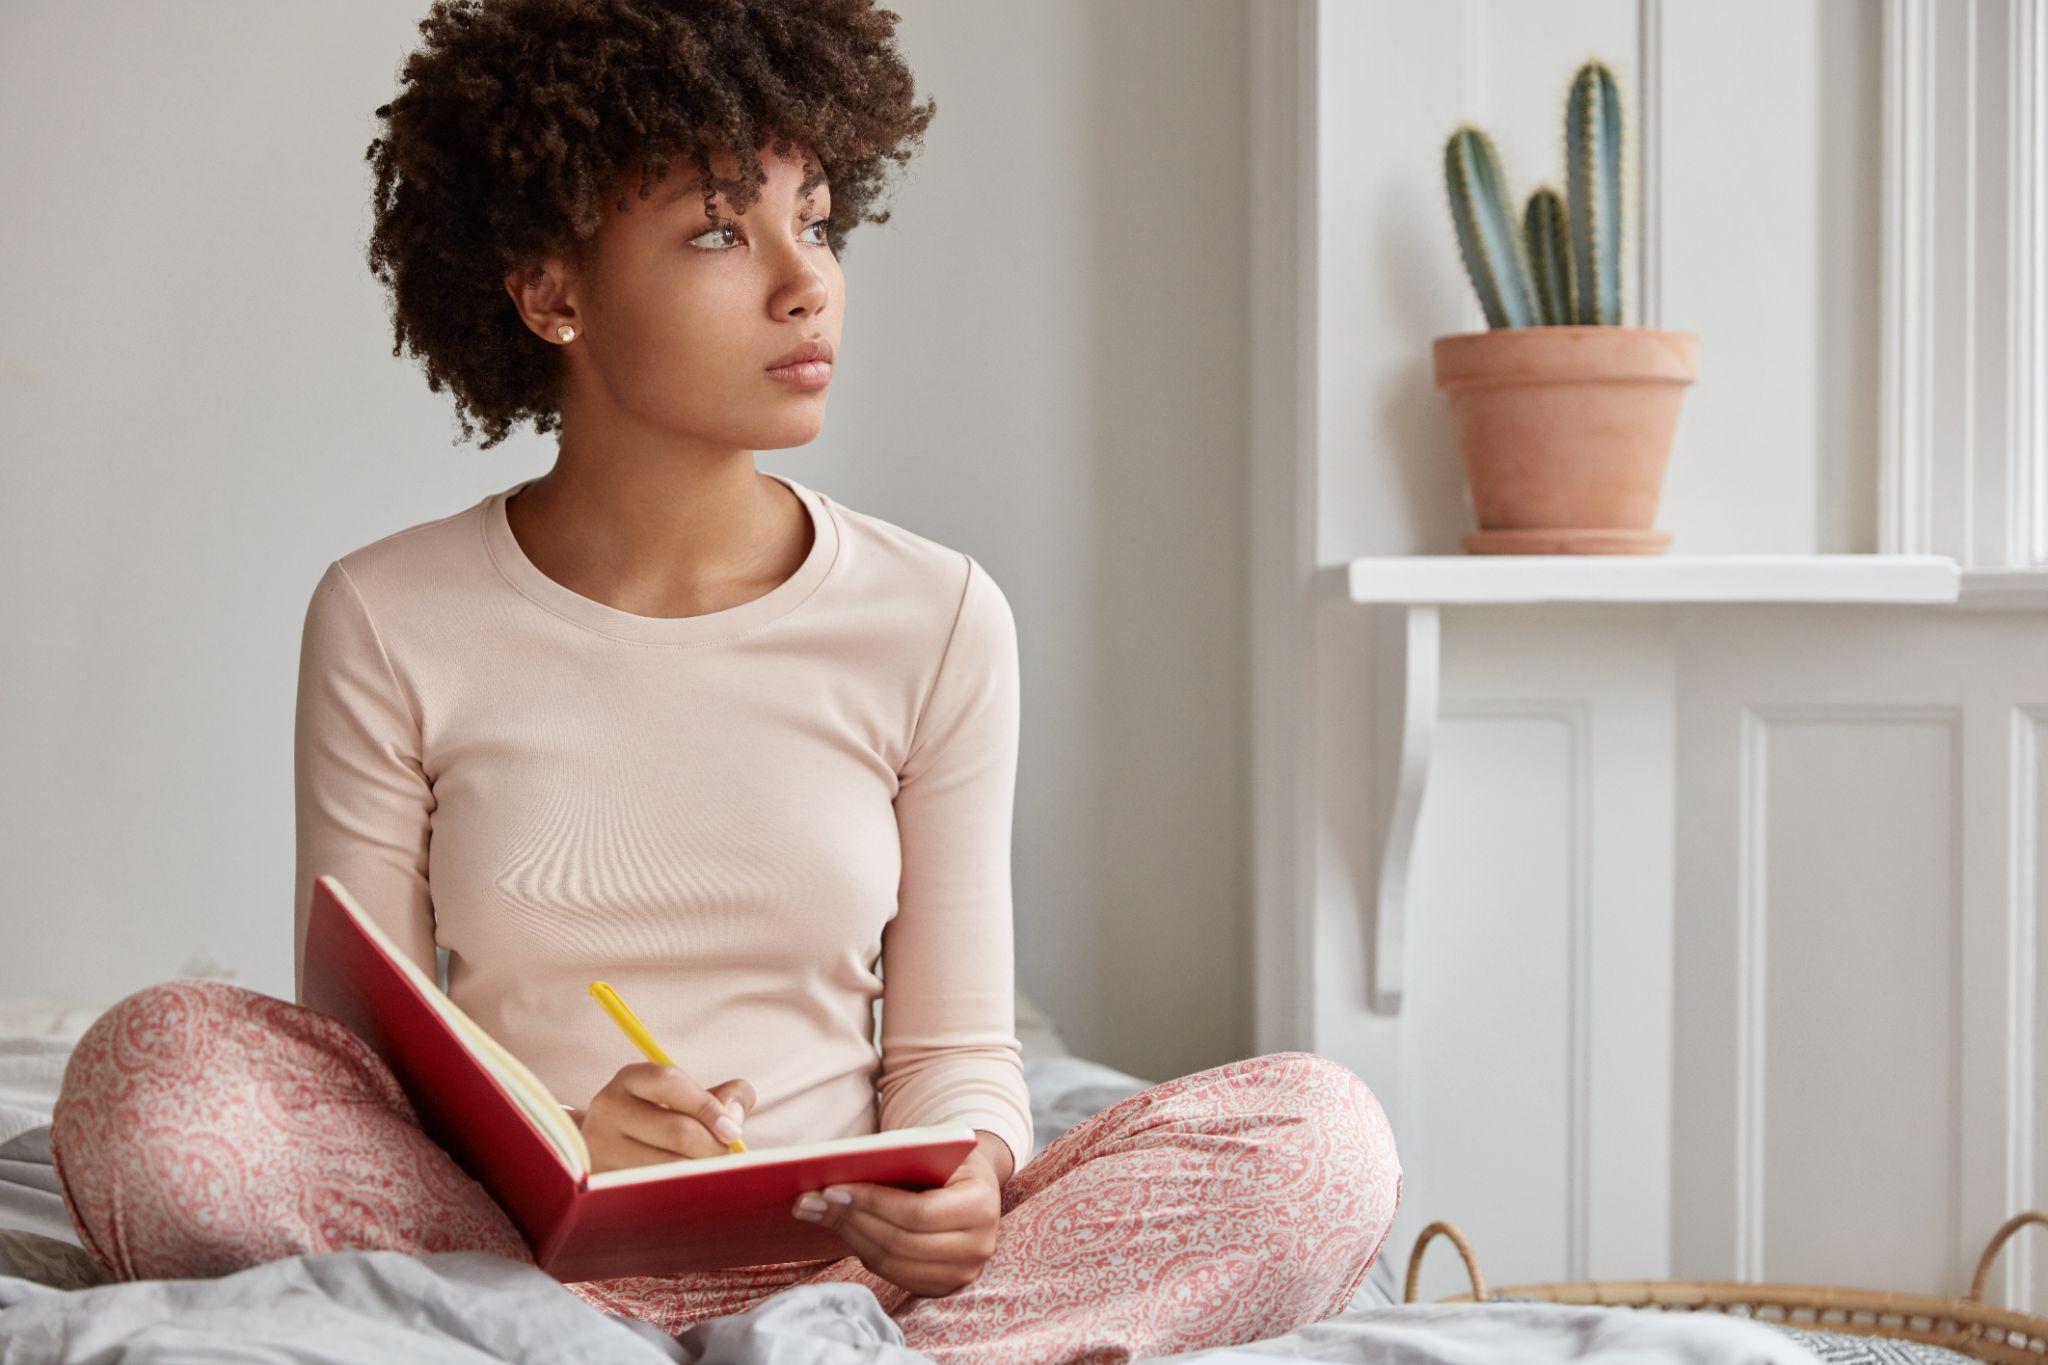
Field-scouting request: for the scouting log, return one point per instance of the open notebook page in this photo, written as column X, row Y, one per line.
column 513, row 1076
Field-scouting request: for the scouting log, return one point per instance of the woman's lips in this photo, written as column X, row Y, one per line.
column 806, row 374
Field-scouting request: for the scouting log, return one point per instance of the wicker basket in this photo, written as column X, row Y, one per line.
column 1968, row 1325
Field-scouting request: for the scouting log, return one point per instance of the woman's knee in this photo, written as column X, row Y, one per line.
column 1336, row 1098
column 141, row 1048
column 1343, row 1172
column 217, row 1042
column 1320, row 1099
column 1330, row 1143
column 181, row 1106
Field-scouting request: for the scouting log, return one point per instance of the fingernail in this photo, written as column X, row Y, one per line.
column 726, row 1129
column 810, row 1207
column 839, row 1196
column 737, row 1111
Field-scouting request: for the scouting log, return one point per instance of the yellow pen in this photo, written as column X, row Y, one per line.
column 637, row 1031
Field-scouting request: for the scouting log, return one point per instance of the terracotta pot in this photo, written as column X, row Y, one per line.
column 1565, row 433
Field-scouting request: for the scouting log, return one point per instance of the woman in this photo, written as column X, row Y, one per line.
column 658, row 718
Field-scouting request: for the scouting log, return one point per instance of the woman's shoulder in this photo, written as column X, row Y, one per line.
column 427, row 567
column 420, row 549
column 885, row 560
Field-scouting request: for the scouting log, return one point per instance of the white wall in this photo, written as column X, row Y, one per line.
column 1043, row 365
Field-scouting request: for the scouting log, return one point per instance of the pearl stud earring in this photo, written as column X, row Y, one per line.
column 566, row 332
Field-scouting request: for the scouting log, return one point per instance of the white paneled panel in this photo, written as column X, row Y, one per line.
column 1497, row 866
column 1768, row 179
column 1849, row 953
column 1528, row 1073
column 1858, row 1076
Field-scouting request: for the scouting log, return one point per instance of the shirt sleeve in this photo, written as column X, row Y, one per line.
column 949, row 1020
column 362, row 798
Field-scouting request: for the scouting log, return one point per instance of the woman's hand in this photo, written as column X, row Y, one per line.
column 931, row 1242
column 648, row 1113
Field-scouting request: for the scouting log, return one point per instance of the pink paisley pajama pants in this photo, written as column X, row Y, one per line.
column 203, row 1128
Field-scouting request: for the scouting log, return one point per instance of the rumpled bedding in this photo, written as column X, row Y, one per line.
column 334, row 1308
column 459, row 1308
column 469, row 1307
column 31, row 1068
column 1525, row 1333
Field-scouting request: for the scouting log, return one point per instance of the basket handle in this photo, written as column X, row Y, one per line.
column 1464, row 1247
column 1998, row 1240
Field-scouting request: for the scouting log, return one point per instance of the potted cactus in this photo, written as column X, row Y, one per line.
column 1564, row 417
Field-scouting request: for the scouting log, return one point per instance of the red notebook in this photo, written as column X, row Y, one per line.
column 498, row 1121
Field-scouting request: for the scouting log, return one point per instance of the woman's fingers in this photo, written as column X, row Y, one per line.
column 929, row 1241
column 652, row 1112
column 941, row 1209
column 919, row 1274
column 674, row 1111
column 740, row 1090
column 677, row 1134
column 946, row 1247
column 622, row 1149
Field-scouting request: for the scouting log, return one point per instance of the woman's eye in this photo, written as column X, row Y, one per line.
column 728, row 227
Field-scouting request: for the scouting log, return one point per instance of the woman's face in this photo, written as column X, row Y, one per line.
column 679, row 314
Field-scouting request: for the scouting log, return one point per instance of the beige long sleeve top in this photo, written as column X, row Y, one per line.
column 753, row 822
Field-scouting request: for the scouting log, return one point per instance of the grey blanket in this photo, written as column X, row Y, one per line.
column 446, row 1308
column 31, row 1069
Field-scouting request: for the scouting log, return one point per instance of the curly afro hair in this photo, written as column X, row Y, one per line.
column 516, row 117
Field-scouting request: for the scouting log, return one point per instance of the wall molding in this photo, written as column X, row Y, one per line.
column 1905, row 425
column 1650, row 163
column 1284, row 319
column 2027, row 265
column 1963, row 458
column 2028, row 751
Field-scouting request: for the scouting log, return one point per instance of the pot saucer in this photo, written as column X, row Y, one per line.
column 1567, row 540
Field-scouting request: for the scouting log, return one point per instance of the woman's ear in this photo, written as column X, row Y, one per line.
column 540, row 294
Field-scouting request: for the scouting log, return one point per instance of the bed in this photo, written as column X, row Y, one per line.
column 462, row 1306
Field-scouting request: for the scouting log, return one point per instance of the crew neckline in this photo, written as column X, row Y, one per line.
column 524, row 575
